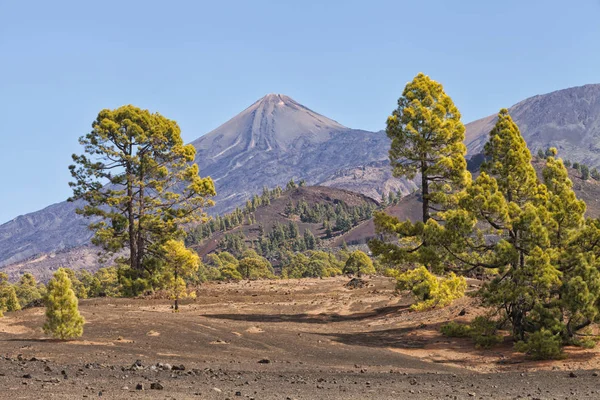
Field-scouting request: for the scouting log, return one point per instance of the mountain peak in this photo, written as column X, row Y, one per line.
column 274, row 122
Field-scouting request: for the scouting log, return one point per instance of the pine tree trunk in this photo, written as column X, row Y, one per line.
column 425, row 191
column 133, row 259
column 140, row 237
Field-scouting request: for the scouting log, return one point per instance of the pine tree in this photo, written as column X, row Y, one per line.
column 508, row 197
column 309, row 239
column 359, row 263
column 383, row 201
column 28, row 289
column 541, row 154
column 63, row 320
column 252, row 266
column 153, row 185
column 533, row 236
column 11, row 301
column 8, row 296
column 180, row 264
column 427, row 138
column 585, row 172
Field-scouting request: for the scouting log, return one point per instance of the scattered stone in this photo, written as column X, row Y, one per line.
column 137, row 365
column 572, row 375
column 125, row 388
column 139, row 386
column 178, row 368
column 238, row 393
column 156, row 386
column 462, row 312
column 27, row 376
column 595, row 374
column 264, row 361
column 217, row 390
column 356, row 283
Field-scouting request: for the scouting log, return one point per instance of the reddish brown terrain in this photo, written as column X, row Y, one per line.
column 288, row 339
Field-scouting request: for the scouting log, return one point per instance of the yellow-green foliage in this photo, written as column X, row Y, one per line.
column 223, row 266
column 427, row 139
column 78, row 287
column 253, row 266
column 541, row 345
column 454, row 329
column 8, row 297
column 391, row 273
column 28, row 289
column 11, row 301
column 359, row 263
column 63, row 320
column 313, row 264
column 143, row 152
column 482, row 330
column 431, row 291
column 180, row 264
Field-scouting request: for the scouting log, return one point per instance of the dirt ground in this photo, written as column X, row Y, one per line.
column 296, row 339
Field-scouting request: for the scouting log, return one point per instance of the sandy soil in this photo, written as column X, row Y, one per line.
column 297, row 339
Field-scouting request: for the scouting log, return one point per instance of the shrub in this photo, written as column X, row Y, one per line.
column 454, row 329
column 586, row 343
column 429, row 290
column 541, row 345
column 359, row 263
column 11, row 301
column 482, row 330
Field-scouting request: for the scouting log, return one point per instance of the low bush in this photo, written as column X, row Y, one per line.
column 482, row 330
column 429, row 290
column 541, row 345
column 456, row 330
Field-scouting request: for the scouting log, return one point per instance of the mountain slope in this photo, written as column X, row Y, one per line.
column 276, row 139
column 272, row 141
column 274, row 213
column 567, row 119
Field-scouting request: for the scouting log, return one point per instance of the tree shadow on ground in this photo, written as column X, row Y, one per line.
column 386, row 338
column 322, row 318
column 36, row 340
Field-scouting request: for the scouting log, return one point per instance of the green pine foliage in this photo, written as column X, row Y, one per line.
column 139, row 180
column 429, row 290
column 63, row 320
column 359, row 264
column 28, row 290
column 427, row 139
column 253, row 266
column 541, row 345
column 482, row 330
column 312, row 264
column 585, row 172
column 9, row 300
column 181, row 265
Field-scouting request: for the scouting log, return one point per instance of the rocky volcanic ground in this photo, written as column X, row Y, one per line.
column 297, row 339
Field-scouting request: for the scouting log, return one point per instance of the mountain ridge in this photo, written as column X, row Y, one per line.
column 276, row 139
column 273, row 140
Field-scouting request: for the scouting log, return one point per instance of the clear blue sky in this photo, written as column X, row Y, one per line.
column 202, row 62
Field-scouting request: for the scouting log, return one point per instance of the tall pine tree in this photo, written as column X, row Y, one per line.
column 427, row 140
